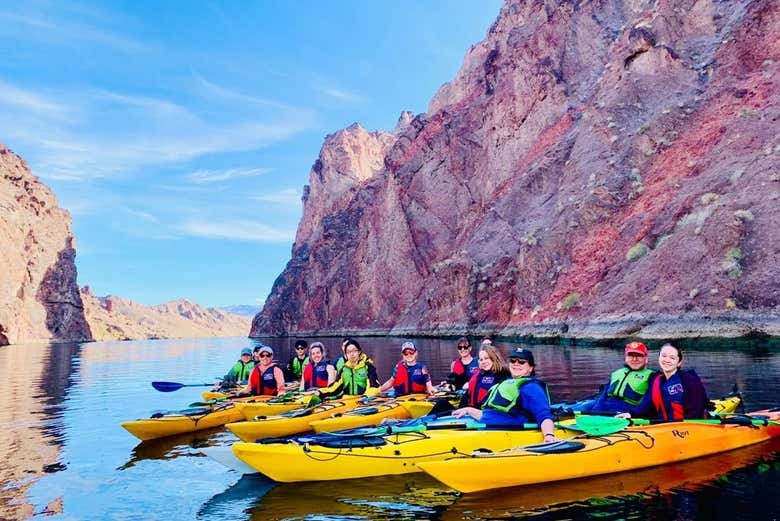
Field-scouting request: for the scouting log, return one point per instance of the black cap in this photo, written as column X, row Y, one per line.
column 523, row 354
column 301, row 343
column 463, row 340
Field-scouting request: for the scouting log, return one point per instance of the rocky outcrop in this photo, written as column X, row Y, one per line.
column 595, row 169
column 115, row 318
column 39, row 297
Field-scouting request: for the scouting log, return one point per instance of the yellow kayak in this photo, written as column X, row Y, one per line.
column 400, row 453
column 366, row 415
column 251, row 410
column 179, row 422
column 289, row 423
column 632, row 448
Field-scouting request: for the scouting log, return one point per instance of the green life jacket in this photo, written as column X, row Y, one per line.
column 629, row 385
column 355, row 379
column 504, row 396
column 340, row 362
column 241, row 371
column 297, row 365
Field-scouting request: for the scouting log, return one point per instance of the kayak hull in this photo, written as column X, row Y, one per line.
column 631, row 448
column 169, row 425
column 287, row 424
column 401, row 454
column 358, row 418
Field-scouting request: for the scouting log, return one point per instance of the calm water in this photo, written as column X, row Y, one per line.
column 63, row 454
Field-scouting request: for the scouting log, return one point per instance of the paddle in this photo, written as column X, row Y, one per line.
column 166, row 387
column 604, row 425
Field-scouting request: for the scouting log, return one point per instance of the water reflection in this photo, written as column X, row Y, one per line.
column 62, row 449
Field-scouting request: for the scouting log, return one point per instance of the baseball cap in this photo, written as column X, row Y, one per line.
column 265, row 349
column 636, row 347
column 246, row 351
column 408, row 345
column 523, row 354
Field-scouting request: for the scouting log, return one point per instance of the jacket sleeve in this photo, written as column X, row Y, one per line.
column 598, row 401
column 373, row 377
column 694, row 395
column 535, row 401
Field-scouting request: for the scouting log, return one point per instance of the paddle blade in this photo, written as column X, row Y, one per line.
column 166, row 387
column 600, row 425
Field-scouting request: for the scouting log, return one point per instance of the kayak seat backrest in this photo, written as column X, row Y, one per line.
column 349, row 443
column 269, row 441
column 558, row 447
column 363, row 411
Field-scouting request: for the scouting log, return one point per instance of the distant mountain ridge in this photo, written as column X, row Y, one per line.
column 116, row 318
column 244, row 310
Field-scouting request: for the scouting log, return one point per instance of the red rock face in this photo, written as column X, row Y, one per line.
column 40, row 299
column 595, row 169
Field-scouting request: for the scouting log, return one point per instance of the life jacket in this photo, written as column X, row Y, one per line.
column 297, row 365
column 263, row 384
column 340, row 361
column 241, row 370
column 667, row 397
column 629, row 385
column 315, row 375
column 468, row 370
column 355, row 378
column 411, row 379
column 505, row 397
column 479, row 387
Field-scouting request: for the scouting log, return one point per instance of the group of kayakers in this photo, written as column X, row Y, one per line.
column 495, row 392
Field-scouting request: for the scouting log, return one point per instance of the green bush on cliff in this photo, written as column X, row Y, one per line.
column 732, row 263
column 636, row 252
column 571, row 300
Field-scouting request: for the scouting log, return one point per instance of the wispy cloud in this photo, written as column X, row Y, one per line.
column 340, row 94
column 62, row 28
column 210, row 176
column 154, row 131
column 140, row 214
column 238, row 230
column 13, row 97
column 287, row 197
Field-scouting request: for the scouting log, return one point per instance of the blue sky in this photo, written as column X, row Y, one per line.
column 179, row 134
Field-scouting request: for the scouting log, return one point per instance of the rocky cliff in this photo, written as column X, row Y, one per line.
column 115, row 318
column 39, row 297
column 604, row 168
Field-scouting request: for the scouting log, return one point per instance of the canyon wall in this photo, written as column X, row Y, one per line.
column 596, row 169
column 39, row 296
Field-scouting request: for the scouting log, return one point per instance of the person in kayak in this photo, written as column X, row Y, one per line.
column 266, row 378
column 409, row 375
column 319, row 372
column 676, row 393
column 357, row 376
column 298, row 361
column 463, row 367
column 239, row 373
column 517, row 400
column 627, row 386
column 492, row 371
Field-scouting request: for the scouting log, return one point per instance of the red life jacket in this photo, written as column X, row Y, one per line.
column 479, row 387
column 407, row 382
column 315, row 375
column 669, row 405
column 263, row 384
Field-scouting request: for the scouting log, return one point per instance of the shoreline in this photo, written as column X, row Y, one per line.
column 655, row 327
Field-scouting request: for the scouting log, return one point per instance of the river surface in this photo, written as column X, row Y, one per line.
column 63, row 454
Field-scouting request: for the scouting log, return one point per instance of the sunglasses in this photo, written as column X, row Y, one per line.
column 299, row 348
column 636, row 355
column 517, row 361
column 463, row 348
column 407, row 353
column 265, row 355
